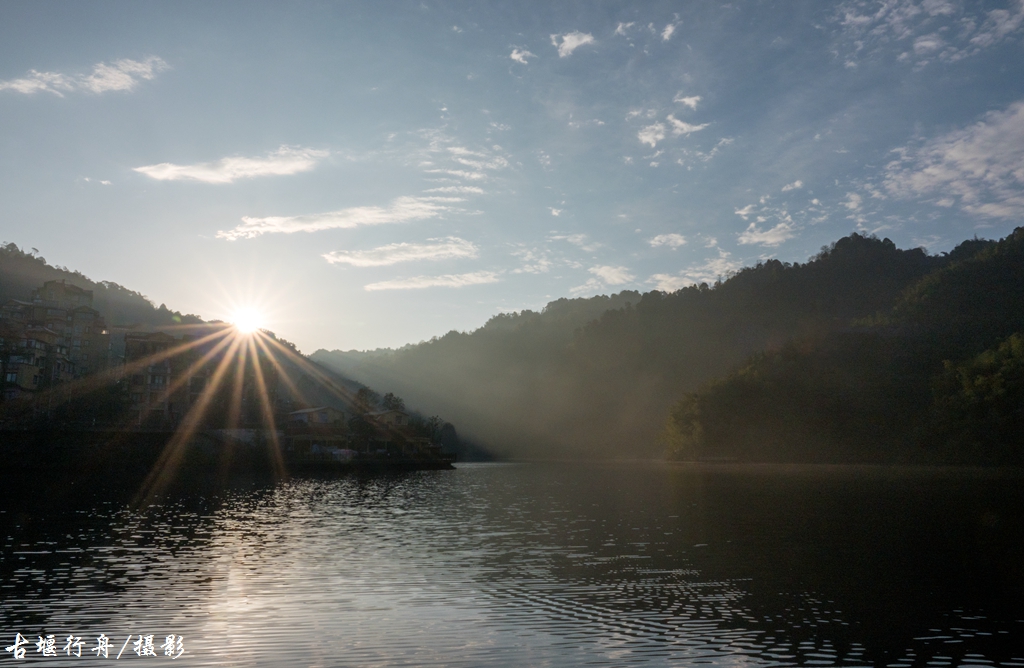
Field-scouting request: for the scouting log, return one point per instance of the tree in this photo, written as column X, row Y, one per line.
column 392, row 403
column 367, row 399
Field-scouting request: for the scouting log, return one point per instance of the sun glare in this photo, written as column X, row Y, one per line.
column 247, row 320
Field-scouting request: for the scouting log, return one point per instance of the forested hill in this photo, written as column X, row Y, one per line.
column 598, row 376
column 938, row 378
column 22, row 272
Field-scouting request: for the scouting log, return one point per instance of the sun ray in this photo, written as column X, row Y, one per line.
column 306, row 366
column 82, row 386
column 282, row 373
column 170, row 458
column 268, row 411
column 237, row 389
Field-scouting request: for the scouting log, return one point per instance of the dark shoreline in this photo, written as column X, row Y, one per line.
column 129, row 457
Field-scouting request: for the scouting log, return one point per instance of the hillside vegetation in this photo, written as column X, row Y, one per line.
column 863, row 325
column 21, row 272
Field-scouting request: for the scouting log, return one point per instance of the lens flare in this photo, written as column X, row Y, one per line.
column 247, row 320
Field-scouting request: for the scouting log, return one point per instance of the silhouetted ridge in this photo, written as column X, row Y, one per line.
column 597, row 376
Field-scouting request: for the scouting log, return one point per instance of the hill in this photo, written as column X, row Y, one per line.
column 598, row 376
column 22, row 271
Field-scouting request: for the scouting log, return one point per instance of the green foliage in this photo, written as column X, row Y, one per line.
column 881, row 391
column 979, row 404
column 597, row 376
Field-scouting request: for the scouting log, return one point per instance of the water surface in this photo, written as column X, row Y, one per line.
column 534, row 565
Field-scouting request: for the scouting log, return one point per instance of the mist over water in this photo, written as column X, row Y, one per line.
column 537, row 564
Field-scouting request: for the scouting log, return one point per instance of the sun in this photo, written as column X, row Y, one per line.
column 247, row 320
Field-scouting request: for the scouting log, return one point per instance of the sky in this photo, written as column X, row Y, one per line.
column 372, row 174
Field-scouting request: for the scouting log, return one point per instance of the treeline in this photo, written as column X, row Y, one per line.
column 939, row 377
column 599, row 376
column 86, row 403
column 22, row 271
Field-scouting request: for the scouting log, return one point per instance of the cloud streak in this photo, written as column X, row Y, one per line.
column 120, row 75
column 670, row 240
column 401, row 210
column 444, row 249
column 521, row 56
column 683, row 128
column 708, row 271
column 282, row 162
column 981, row 166
column 444, row 281
column 944, row 30
column 770, row 237
column 571, row 41
column 690, row 101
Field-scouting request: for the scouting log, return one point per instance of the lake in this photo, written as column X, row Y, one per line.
column 531, row 565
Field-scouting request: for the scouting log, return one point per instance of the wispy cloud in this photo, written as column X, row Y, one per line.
column 571, row 41
column 671, row 240
column 459, row 173
column 401, row 210
column 444, row 281
column 520, row 56
column 709, row 271
column 457, row 190
column 683, row 128
column 770, row 237
column 120, row 75
column 579, row 240
column 282, row 162
column 746, row 211
column 442, row 249
column 690, row 100
column 652, row 134
column 762, row 232
column 981, row 166
column 612, row 275
column 795, row 185
column 604, row 276
column 919, row 32
column 623, row 27
column 477, row 159
column 655, row 132
column 666, row 34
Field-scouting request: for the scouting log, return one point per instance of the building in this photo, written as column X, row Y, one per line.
column 322, row 415
column 31, row 361
column 149, row 370
column 67, row 311
column 168, row 376
column 390, row 418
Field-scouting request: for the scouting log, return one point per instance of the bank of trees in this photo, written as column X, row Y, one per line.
column 939, row 376
column 599, row 376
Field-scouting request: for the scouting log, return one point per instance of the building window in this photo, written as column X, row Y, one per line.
column 12, row 377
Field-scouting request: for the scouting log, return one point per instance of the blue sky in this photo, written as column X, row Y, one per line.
column 376, row 173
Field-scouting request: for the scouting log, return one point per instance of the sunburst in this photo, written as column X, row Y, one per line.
column 248, row 320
